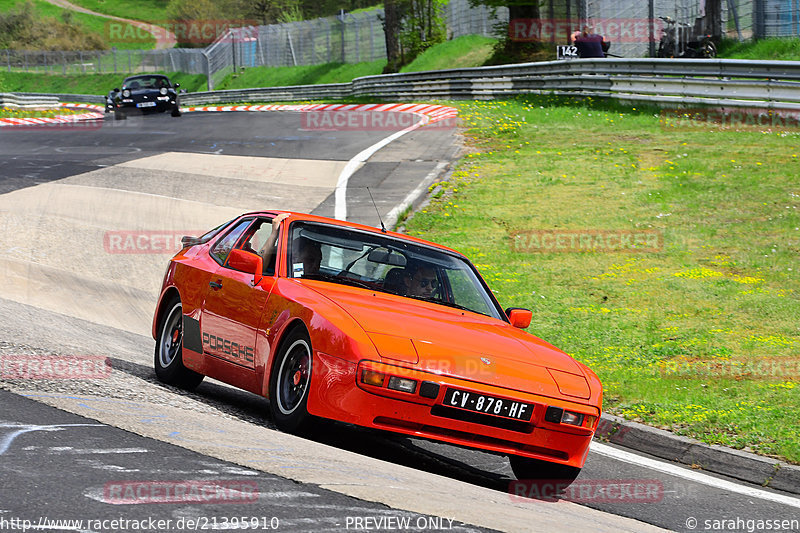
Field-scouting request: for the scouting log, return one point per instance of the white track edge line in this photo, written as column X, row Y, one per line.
column 698, row 477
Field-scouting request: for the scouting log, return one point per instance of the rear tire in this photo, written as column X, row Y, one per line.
column 290, row 381
column 534, row 469
column 168, row 362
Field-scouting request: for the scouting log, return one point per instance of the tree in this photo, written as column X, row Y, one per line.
column 391, row 32
column 410, row 27
column 508, row 49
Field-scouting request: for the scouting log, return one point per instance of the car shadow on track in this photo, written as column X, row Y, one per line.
column 463, row 464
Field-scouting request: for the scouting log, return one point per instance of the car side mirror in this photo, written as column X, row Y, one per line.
column 177, row 84
column 519, row 318
column 116, row 90
column 247, row 262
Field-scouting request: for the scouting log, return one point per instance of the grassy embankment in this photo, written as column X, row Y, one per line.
column 90, row 24
column 469, row 51
column 784, row 49
column 145, row 10
column 700, row 337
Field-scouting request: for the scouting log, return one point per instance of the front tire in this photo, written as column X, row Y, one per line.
column 168, row 362
column 119, row 114
column 176, row 111
column 534, row 469
column 290, row 381
column 708, row 50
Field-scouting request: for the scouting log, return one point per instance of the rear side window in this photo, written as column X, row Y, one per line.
column 223, row 247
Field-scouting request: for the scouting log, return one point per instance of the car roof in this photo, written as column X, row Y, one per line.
column 354, row 225
column 144, row 76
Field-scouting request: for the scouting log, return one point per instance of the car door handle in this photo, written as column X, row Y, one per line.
column 216, row 285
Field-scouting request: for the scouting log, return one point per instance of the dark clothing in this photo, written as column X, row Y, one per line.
column 590, row 45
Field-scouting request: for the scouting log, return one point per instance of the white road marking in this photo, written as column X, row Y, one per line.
column 340, row 204
column 19, row 429
column 394, row 214
column 691, row 475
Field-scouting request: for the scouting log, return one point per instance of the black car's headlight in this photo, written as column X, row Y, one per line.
column 126, row 93
column 163, row 90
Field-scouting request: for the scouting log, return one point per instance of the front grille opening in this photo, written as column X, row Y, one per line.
column 485, row 440
column 482, row 419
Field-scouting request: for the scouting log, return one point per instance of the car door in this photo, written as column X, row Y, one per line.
column 233, row 305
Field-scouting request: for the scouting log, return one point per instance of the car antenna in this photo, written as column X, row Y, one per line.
column 383, row 228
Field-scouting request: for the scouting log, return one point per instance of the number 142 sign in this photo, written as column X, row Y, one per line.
column 567, row 52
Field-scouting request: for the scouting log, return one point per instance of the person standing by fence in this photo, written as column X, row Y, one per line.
column 589, row 44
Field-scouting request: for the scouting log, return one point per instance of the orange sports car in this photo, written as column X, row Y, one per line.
column 369, row 327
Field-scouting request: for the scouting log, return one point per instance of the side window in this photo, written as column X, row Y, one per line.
column 259, row 239
column 224, row 246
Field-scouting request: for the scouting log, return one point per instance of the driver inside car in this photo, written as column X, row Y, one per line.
column 420, row 280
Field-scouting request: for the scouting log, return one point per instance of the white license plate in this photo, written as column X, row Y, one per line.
column 146, row 104
column 483, row 403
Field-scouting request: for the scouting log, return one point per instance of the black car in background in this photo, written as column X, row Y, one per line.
column 147, row 93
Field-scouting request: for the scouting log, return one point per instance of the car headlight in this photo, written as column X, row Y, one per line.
column 163, row 90
column 126, row 93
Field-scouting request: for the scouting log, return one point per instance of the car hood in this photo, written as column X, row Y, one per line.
column 459, row 343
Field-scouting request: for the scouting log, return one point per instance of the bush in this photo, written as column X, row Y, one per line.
column 23, row 28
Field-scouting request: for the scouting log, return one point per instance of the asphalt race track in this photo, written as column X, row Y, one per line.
column 89, row 216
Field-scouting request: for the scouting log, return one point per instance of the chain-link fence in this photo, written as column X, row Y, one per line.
column 772, row 18
column 633, row 27
column 187, row 60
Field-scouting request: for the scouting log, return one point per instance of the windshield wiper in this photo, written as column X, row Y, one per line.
column 448, row 304
column 338, row 279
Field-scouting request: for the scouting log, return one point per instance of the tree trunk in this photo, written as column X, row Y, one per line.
column 391, row 30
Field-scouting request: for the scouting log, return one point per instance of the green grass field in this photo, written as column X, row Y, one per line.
column 145, row 10
column 699, row 337
column 79, row 84
column 302, row 75
column 785, row 49
column 467, row 51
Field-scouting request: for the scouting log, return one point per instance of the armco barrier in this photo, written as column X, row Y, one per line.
column 27, row 100
column 714, row 82
column 669, row 82
column 334, row 91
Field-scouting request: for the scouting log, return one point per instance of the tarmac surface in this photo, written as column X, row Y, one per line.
column 67, row 205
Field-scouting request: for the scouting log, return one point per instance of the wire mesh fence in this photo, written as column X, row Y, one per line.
column 187, row 60
column 631, row 25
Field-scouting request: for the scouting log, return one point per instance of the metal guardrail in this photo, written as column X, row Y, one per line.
column 333, row 91
column 64, row 97
column 27, row 100
column 665, row 82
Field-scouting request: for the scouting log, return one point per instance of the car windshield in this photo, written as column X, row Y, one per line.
column 146, row 82
column 382, row 263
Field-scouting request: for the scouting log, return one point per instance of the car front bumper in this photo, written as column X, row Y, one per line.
column 338, row 393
